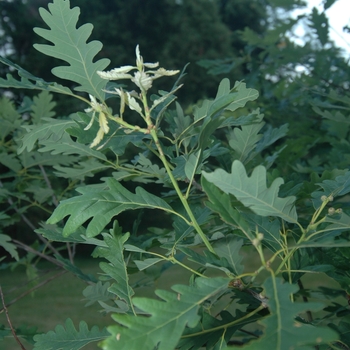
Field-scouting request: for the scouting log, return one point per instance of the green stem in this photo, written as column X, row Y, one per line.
column 153, row 132
column 184, row 202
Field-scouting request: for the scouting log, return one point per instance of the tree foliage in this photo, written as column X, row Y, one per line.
column 221, row 181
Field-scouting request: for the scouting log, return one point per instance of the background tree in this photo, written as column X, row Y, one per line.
column 171, row 31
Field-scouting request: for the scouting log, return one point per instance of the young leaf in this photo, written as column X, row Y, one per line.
column 167, row 320
column 68, row 337
column 102, row 206
column 282, row 331
column 253, row 192
column 69, row 45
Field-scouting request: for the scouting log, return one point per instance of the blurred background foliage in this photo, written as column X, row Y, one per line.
column 244, row 40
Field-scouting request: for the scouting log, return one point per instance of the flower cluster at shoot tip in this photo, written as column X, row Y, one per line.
column 142, row 78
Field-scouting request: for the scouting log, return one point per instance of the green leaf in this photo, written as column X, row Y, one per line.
column 319, row 22
column 67, row 146
column 99, row 293
column 54, row 233
column 10, row 161
column 25, row 82
column 212, row 332
column 167, row 320
column 145, row 264
column 271, row 229
column 326, row 234
column 101, row 206
column 282, row 331
column 253, row 192
column 340, row 186
column 116, row 267
column 228, row 248
column 66, row 264
column 270, row 136
column 221, row 203
column 54, row 128
column 244, row 140
column 9, row 247
column 117, row 139
column 231, row 99
column 79, row 171
column 9, row 117
column 343, row 328
column 42, row 107
column 191, row 165
column 69, row 45
column 68, row 337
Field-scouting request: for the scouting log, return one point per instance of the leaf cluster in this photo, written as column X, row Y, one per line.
column 213, row 179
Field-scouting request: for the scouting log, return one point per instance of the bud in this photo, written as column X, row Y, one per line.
column 260, row 236
column 331, row 211
column 323, row 198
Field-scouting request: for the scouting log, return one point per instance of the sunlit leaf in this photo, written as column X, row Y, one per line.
column 253, row 192
column 69, row 45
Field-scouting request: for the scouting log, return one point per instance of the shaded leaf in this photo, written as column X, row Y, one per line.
column 9, row 247
column 102, row 205
column 221, row 203
column 67, row 146
column 281, row 329
column 145, row 264
column 41, row 132
column 337, row 187
column 68, row 337
column 243, row 140
column 79, row 171
column 168, row 318
column 228, row 248
column 42, row 107
column 97, row 292
column 26, row 81
column 116, row 267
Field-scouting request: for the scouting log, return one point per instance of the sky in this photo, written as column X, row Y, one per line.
column 339, row 16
